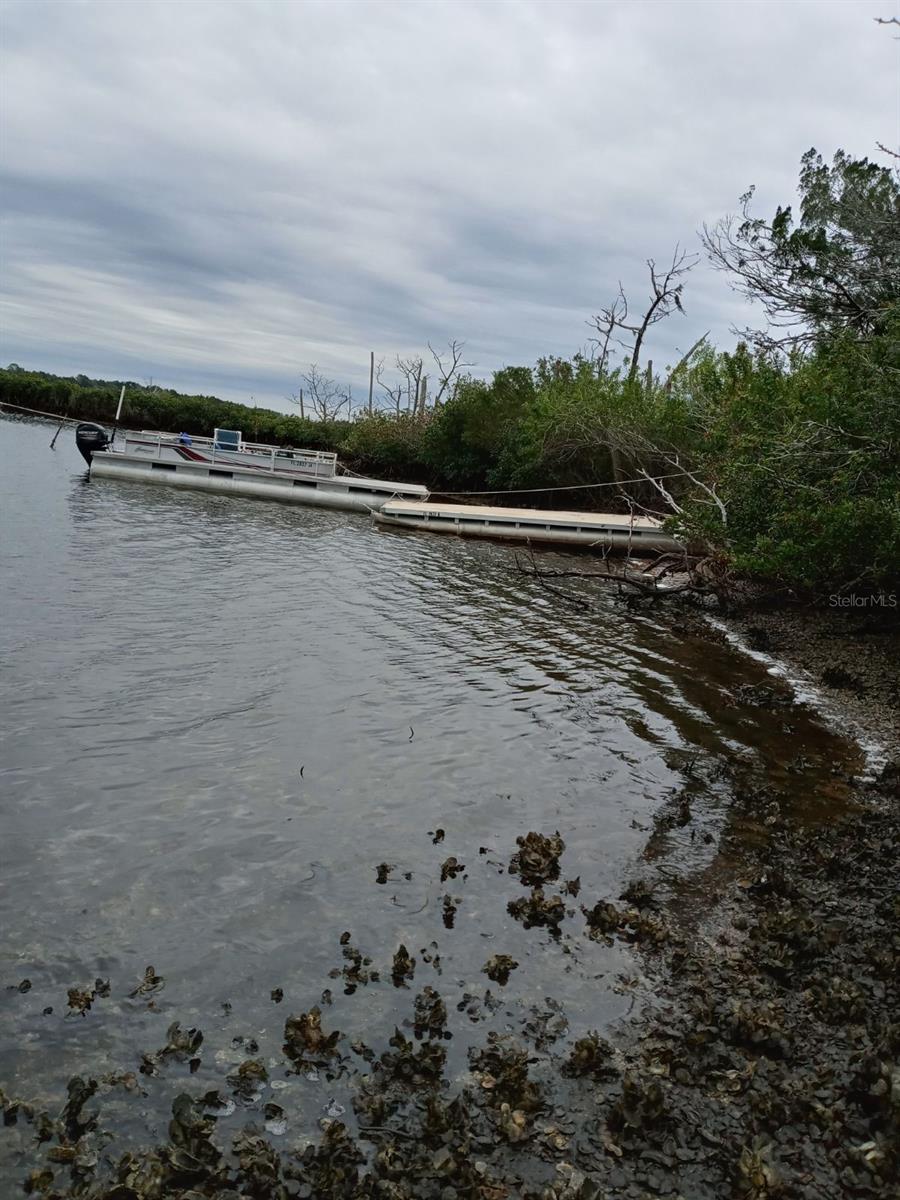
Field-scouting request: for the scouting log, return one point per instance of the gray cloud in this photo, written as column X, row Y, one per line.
column 217, row 194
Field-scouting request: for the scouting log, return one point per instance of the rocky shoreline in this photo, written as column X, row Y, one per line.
column 765, row 1061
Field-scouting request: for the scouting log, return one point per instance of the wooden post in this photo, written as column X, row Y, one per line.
column 371, row 378
column 302, row 413
column 424, row 395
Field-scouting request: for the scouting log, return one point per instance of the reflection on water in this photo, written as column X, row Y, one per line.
column 169, row 661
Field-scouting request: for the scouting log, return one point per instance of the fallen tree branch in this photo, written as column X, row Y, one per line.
column 699, row 582
column 704, row 578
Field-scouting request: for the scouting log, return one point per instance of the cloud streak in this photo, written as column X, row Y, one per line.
column 218, row 194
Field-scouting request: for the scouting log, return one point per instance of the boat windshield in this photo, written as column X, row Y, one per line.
column 227, row 439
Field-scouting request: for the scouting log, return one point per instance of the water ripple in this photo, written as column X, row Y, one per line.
column 170, row 661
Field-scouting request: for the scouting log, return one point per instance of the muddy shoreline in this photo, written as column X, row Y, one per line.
column 762, row 1058
column 850, row 656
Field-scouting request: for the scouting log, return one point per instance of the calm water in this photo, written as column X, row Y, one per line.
column 169, row 662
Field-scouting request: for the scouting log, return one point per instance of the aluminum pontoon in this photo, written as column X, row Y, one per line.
column 602, row 531
column 226, row 463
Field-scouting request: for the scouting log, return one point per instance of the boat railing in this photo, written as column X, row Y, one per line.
column 317, row 462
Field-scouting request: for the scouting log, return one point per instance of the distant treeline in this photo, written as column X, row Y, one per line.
column 152, row 407
column 781, row 458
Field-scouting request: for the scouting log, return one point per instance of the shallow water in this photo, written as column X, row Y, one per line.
column 169, row 661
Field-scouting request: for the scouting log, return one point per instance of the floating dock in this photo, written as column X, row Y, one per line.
column 602, row 531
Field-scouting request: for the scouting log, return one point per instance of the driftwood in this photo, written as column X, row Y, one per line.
column 699, row 579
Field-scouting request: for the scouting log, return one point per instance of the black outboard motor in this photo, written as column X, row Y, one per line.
column 90, row 439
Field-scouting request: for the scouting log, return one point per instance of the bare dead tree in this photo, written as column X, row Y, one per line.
column 411, row 370
column 612, row 322
column 392, row 393
column 406, row 387
column 606, row 322
column 327, row 399
column 296, row 398
column 449, row 366
column 403, row 391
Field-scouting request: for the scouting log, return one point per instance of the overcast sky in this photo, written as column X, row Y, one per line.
column 215, row 194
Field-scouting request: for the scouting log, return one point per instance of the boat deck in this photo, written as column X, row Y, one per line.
column 542, row 516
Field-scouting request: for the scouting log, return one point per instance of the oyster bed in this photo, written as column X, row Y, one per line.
column 763, row 1061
